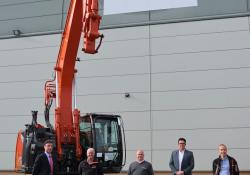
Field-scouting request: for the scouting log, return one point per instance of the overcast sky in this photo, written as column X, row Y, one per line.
column 125, row 6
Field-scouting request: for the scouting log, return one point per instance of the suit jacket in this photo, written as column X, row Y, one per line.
column 41, row 165
column 187, row 164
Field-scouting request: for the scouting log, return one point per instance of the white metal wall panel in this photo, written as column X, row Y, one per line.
column 197, row 119
column 201, row 43
column 29, row 56
column 21, row 106
column 111, row 67
column 14, row 89
column 23, row 10
column 120, row 48
column 131, row 33
column 210, row 138
column 114, row 103
column 31, row 25
column 9, row 145
column 199, row 88
column 201, row 80
column 200, row 27
column 16, row 121
column 8, row 162
column 198, row 99
column 136, row 120
column 138, row 140
column 30, row 16
column 26, row 72
column 201, row 61
column 114, row 84
column 30, row 43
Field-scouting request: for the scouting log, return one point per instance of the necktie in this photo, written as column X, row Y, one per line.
column 51, row 164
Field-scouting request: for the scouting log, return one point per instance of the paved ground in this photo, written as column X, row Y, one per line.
column 197, row 173
column 166, row 173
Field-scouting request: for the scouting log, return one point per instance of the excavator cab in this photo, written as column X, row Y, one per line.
column 105, row 134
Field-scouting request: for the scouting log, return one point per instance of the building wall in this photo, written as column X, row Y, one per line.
column 184, row 79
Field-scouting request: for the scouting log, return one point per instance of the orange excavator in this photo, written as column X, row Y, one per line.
column 72, row 133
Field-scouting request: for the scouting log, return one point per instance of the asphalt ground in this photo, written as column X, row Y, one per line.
column 162, row 173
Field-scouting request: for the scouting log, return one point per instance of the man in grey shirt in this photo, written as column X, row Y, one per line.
column 140, row 166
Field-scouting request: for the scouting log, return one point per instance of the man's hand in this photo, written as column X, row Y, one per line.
column 180, row 173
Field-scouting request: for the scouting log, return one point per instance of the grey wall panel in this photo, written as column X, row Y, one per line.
column 221, row 98
column 21, row 106
column 199, row 27
column 11, row 144
column 125, row 19
column 113, row 84
column 30, row 17
column 196, row 137
column 241, row 155
column 114, row 103
column 31, row 56
column 204, row 42
column 201, row 61
column 25, row 73
column 211, row 79
column 136, row 120
column 201, row 119
column 22, row 10
column 9, row 159
column 123, row 48
column 21, row 89
column 30, row 42
column 160, row 159
column 204, row 8
column 31, row 25
column 138, row 140
column 12, row 2
column 128, row 33
column 110, row 67
column 11, row 125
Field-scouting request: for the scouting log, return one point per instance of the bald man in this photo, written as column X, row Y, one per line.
column 140, row 166
column 225, row 164
column 90, row 166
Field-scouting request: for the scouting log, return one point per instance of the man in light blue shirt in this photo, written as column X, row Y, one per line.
column 225, row 164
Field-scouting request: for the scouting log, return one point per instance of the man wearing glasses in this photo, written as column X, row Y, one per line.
column 181, row 160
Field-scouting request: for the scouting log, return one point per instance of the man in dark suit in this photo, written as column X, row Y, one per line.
column 182, row 160
column 45, row 162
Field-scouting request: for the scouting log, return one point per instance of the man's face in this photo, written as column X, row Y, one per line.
column 91, row 154
column 222, row 151
column 48, row 147
column 140, row 155
column 181, row 145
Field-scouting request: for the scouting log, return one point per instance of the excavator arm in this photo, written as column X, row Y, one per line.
column 83, row 18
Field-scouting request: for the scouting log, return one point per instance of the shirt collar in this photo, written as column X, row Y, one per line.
column 140, row 161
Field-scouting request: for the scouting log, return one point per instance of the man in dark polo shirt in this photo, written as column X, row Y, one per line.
column 90, row 166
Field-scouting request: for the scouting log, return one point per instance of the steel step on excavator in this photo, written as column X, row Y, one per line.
column 72, row 133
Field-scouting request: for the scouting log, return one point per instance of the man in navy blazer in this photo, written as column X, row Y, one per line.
column 45, row 163
column 181, row 160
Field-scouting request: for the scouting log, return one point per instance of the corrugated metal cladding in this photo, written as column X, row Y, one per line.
column 186, row 79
